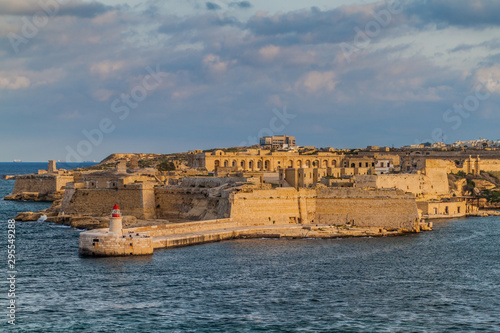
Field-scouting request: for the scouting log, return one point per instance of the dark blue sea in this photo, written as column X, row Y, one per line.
column 447, row 280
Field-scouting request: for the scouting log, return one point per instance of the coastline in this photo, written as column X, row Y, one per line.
column 144, row 240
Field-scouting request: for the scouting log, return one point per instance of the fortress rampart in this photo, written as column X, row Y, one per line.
column 326, row 206
column 137, row 199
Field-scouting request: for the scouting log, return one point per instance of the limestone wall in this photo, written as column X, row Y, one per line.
column 213, row 181
column 490, row 165
column 185, row 227
column 189, row 204
column 375, row 208
column 62, row 181
column 134, row 199
column 42, row 184
column 263, row 207
column 435, row 182
column 443, row 209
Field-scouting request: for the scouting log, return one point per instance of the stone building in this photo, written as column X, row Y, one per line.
column 262, row 160
column 277, row 142
column 46, row 185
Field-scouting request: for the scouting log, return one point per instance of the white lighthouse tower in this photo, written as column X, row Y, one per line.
column 115, row 224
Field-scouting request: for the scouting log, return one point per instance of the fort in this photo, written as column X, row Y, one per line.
column 281, row 191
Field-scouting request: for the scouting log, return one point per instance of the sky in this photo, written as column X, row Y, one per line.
column 80, row 80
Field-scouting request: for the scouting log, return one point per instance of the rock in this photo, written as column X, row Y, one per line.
column 128, row 220
column 29, row 216
column 87, row 222
column 34, row 196
column 482, row 184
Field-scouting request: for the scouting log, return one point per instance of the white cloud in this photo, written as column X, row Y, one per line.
column 14, row 82
column 489, row 77
column 106, row 68
column 269, row 52
column 316, row 81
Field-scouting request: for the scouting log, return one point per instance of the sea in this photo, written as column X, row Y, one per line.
column 446, row 280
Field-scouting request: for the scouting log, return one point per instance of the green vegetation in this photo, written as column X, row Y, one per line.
column 491, row 195
column 495, row 174
column 146, row 163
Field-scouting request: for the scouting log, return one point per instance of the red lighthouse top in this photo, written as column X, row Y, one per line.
column 116, row 211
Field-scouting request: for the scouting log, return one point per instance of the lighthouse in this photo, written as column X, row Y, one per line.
column 115, row 224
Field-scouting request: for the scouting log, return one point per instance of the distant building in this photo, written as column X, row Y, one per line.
column 277, row 142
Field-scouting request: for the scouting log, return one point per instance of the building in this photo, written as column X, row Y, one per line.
column 262, row 160
column 277, row 142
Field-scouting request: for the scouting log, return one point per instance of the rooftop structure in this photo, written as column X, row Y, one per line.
column 277, row 142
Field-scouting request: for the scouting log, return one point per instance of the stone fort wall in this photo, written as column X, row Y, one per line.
column 189, row 204
column 375, row 208
column 134, row 199
column 43, row 184
column 433, row 180
column 252, row 206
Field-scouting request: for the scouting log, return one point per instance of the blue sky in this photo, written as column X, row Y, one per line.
column 82, row 79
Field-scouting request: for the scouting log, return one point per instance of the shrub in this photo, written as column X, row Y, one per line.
column 166, row 166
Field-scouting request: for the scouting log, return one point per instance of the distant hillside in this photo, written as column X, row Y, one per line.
column 163, row 162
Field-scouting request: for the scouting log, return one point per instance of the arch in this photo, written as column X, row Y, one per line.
column 299, row 164
column 226, row 163
column 267, row 165
column 325, row 163
column 334, row 163
column 290, row 164
column 308, row 164
column 243, row 164
column 250, row 165
column 353, row 165
column 216, row 163
column 316, row 163
column 259, row 165
column 234, row 163
column 360, row 164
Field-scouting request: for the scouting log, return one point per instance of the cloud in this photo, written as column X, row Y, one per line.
column 212, row 6
column 466, row 13
column 488, row 77
column 240, row 4
column 315, row 81
column 75, row 8
column 240, row 68
column 106, row 67
column 269, row 52
column 14, row 82
column 491, row 45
